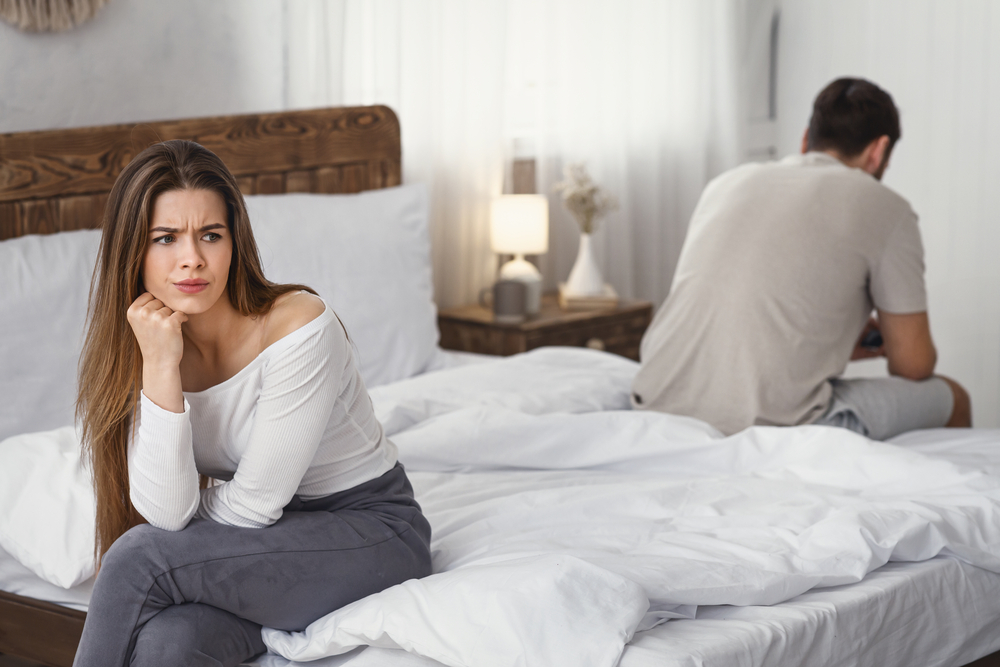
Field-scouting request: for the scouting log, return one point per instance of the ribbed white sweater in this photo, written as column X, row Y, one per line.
column 296, row 420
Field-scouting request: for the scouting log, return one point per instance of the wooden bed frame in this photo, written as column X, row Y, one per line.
column 59, row 180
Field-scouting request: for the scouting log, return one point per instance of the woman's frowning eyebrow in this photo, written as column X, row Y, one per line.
column 171, row 230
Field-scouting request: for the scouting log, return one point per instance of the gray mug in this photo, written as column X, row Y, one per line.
column 510, row 301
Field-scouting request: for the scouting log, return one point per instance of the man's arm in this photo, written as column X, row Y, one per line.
column 908, row 344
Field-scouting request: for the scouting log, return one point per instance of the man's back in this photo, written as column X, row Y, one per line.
column 782, row 265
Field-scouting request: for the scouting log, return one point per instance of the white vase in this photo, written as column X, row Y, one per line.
column 585, row 278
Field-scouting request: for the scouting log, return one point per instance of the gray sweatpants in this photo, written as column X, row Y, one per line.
column 199, row 596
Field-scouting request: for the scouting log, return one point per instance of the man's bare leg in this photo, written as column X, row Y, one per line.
column 961, row 414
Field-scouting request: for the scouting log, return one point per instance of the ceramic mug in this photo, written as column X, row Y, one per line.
column 510, row 301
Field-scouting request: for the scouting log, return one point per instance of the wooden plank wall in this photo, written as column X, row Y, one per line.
column 58, row 180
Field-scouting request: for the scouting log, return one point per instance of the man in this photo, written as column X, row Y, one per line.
column 781, row 269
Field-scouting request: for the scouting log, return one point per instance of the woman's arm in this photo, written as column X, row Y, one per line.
column 163, row 479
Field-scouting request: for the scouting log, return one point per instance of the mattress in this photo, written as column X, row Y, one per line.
column 940, row 612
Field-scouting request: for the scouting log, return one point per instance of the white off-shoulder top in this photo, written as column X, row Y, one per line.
column 296, row 420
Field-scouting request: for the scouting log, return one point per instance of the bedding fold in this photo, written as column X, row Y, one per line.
column 486, row 616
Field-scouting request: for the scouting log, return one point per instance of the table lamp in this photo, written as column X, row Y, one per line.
column 519, row 226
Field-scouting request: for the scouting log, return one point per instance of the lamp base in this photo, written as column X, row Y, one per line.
column 524, row 271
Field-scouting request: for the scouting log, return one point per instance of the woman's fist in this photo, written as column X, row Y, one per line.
column 157, row 328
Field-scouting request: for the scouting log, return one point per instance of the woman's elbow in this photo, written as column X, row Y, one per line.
column 174, row 525
column 164, row 518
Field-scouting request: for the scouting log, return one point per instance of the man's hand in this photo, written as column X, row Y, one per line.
column 862, row 352
column 157, row 328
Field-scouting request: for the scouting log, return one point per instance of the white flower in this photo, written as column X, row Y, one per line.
column 586, row 200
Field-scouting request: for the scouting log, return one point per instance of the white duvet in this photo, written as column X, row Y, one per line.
column 563, row 521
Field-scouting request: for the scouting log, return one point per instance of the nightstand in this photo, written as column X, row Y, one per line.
column 619, row 330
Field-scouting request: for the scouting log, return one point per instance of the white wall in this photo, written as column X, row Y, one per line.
column 940, row 61
column 145, row 60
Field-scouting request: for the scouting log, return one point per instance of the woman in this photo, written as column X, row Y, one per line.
column 195, row 363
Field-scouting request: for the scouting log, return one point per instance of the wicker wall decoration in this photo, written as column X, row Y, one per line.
column 48, row 15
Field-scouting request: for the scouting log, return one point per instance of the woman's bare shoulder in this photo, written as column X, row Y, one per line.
column 291, row 311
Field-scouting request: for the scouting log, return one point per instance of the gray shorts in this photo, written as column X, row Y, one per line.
column 881, row 408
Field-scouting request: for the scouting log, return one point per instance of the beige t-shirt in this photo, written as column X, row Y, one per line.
column 781, row 267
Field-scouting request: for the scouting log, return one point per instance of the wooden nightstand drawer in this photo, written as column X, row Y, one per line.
column 620, row 336
column 618, row 330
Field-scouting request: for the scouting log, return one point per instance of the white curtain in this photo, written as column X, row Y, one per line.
column 644, row 91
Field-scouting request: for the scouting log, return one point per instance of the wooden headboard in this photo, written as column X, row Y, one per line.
column 58, row 180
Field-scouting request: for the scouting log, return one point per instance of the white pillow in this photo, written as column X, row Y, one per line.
column 368, row 256
column 43, row 306
column 545, row 610
column 47, row 506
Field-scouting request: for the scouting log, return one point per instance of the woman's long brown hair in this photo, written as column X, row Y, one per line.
column 111, row 362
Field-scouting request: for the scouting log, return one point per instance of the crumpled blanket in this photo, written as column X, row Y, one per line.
column 536, row 477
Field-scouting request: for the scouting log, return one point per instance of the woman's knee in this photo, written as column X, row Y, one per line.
column 165, row 640
column 196, row 635
column 136, row 548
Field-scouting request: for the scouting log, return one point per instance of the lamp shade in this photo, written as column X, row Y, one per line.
column 519, row 225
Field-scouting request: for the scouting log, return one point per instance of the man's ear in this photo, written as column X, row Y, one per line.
column 874, row 155
column 805, row 141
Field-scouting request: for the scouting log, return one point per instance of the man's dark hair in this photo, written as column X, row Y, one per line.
column 849, row 114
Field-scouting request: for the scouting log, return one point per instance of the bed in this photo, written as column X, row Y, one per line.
column 568, row 529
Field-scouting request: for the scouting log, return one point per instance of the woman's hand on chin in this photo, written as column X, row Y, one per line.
column 157, row 328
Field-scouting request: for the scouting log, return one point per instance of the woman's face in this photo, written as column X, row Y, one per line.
column 189, row 250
